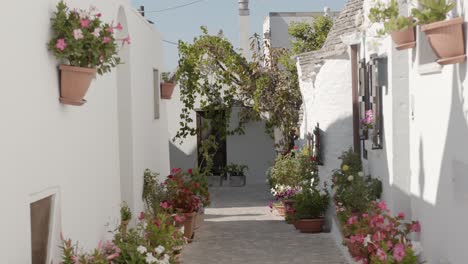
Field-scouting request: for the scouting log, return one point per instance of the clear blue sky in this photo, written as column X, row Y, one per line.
column 184, row 23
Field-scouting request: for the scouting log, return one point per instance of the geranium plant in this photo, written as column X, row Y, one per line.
column 181, row 192
column 80, row 38
column 381, row 238
column 311, row 203
column 368, row 121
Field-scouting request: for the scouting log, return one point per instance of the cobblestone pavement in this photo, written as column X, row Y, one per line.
column 239, row 228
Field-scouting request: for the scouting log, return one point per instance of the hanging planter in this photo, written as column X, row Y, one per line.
column 446, row 40
column 84, row 45
column 404, row 39
column 74, row 83
column 167, row 88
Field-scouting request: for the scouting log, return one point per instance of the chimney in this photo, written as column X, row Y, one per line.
column 244, row 23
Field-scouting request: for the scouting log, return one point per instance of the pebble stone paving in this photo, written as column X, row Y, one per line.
column 239, row 228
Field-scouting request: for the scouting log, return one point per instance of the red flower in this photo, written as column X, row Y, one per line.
column 190, row 171
column 296, row 147
column 312, row 158
column 415, row 227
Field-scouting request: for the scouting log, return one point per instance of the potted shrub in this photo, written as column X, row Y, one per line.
column 444, row 36
column 401, row 28
column 236, row 170
column 167, row 86
column 125, row 217
column 310, row 206
column 84, row 45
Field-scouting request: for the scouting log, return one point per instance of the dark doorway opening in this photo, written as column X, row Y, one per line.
column 204, row 131
column 40, row 223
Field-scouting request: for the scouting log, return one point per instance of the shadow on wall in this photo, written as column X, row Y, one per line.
column 179, row 159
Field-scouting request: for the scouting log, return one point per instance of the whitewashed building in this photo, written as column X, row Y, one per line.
column 66, row 169
column 417, row 148
column 255, row 148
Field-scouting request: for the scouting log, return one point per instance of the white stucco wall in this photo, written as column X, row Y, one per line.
column 72, row 152
column 278, row 26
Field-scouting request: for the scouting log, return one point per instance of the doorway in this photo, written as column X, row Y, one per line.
column 204, row 131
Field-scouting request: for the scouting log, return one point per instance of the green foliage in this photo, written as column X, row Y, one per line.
column 208, row 147
column 389, row 16
column 81, row 39
column 214, row 75
column 311, row 203
column 294, row 169
column 432, row 11
column 153, row 192
column 236, row 169
column 309, row 36
column 165, row 76
column 125, row 213
column 353, row 191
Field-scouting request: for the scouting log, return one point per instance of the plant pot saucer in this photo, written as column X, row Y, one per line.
column 452, row 60
column 72, row 102
column 404, row 46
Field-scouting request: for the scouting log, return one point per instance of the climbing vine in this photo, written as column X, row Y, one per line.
column 214, row 78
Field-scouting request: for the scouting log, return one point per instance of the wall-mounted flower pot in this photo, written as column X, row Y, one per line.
column 404, row 39
column 166, row 90
column 74, row 83
column 309, row 225
column 447, row 40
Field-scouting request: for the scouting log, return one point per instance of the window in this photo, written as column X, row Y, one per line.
column 157, row 91
column 40, row 225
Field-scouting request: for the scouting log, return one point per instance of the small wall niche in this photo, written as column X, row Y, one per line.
column 40, row 229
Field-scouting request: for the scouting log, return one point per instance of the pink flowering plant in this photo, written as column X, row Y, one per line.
column 380, row 237
column 105, row 253
column 368, row 121
column 80, row 38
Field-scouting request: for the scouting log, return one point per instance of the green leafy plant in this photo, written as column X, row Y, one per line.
column 153, row 193
column 125, row 213
column 353, row 191
column 309, row 36
column 311, row 203
column 432, row 11
column 81, row 39
column 388, row 15
column 215, row 78
column 236, row 169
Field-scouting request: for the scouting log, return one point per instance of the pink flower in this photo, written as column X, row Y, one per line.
column 126, row 40
column 77, row 34
column 119, row 27
column 96, row 32
column 401, row 215
column 85, row 23
column 415, row 227
column 359, row 239
column 381, row 254
column 175, row 170
column 382, row 205
column 60, row 45
column 98, row 14
column 141, row 216
column 296, row 147
column 179, row 219
column 399, row 252
column 110, row 30
column 106, row 39
column 164, row 205
column 352, row 220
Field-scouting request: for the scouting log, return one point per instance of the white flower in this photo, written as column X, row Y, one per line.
column 77, row 34
column 141, row 249
column 96, row 32
column 322, row 192
column 350, row 178
column 312, row 182
column 159, row 250
column 150, row 259
column 367, row 240
column 361, row 174
column 145, row 225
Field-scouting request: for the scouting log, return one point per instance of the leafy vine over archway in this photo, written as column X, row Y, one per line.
column 215, row 78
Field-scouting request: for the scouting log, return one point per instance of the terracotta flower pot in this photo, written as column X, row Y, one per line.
column 309, row 225
column 355, row 250
column 74, row 83
column 189, row 225
column 447, row 40
column 405, row 38
column 199, row 219
column 166, row 90
column 280, row 210
column 123, row 228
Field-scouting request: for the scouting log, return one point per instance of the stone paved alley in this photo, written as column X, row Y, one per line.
column 239, row 228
